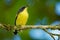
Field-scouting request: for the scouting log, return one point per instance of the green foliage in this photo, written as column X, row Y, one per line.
column 37, row 9
column 8, row 12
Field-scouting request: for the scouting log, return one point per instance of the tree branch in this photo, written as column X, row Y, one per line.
column 24, row 27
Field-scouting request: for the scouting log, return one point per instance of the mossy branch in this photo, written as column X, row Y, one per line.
column 24, row 27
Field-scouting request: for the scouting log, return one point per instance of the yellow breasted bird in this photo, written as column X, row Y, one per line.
column 22, row 17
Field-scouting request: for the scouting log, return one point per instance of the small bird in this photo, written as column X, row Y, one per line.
column 22, row 17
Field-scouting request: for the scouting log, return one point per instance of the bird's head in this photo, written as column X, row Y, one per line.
column 23, row 8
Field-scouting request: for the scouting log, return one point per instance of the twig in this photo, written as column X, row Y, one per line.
column 24, row 27
column 30, row 27
column 49, row 33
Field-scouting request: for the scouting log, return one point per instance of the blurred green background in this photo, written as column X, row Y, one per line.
column 41, row 12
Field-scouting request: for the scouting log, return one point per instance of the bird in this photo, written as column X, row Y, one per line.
column 21, row 17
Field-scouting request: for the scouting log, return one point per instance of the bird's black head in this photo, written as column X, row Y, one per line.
column 21, row 9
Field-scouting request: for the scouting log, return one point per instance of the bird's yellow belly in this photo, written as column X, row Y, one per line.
column 22, row 19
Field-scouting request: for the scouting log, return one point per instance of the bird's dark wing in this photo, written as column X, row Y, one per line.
column 20, row 10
